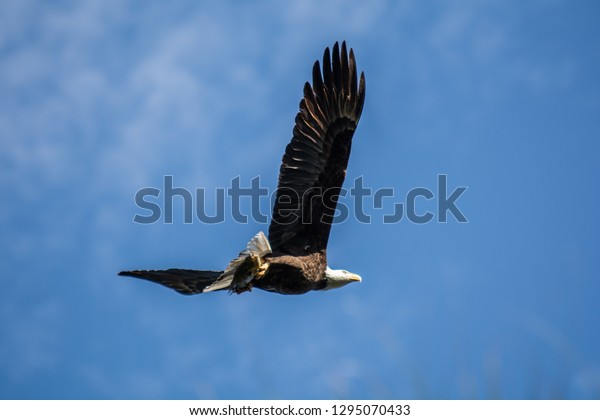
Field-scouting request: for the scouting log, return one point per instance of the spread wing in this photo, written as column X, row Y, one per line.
column 187, row 282
column 314, row 165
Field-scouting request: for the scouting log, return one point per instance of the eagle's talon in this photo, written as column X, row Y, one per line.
column 262, row 270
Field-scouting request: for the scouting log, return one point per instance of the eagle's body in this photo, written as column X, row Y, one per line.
column 293, row 260
column 291, row 275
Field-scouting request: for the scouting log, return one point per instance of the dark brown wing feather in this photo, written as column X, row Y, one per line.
column 187, row 282
column 314, row 165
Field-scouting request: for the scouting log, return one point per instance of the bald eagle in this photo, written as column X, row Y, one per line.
column 293, row 260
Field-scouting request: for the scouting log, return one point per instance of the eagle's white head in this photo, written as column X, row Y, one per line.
column 339, row 278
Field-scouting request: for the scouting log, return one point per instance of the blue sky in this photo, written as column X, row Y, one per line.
column 100, row 99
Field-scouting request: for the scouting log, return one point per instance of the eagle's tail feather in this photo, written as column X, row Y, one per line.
column 240, row 271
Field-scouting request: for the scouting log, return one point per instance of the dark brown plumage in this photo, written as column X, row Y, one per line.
column 186, row 282
column 313, row 168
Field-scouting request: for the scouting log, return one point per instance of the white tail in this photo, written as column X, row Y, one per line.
column 258, row 245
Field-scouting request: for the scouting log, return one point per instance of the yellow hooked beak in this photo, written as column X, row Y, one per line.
column 356, row 277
